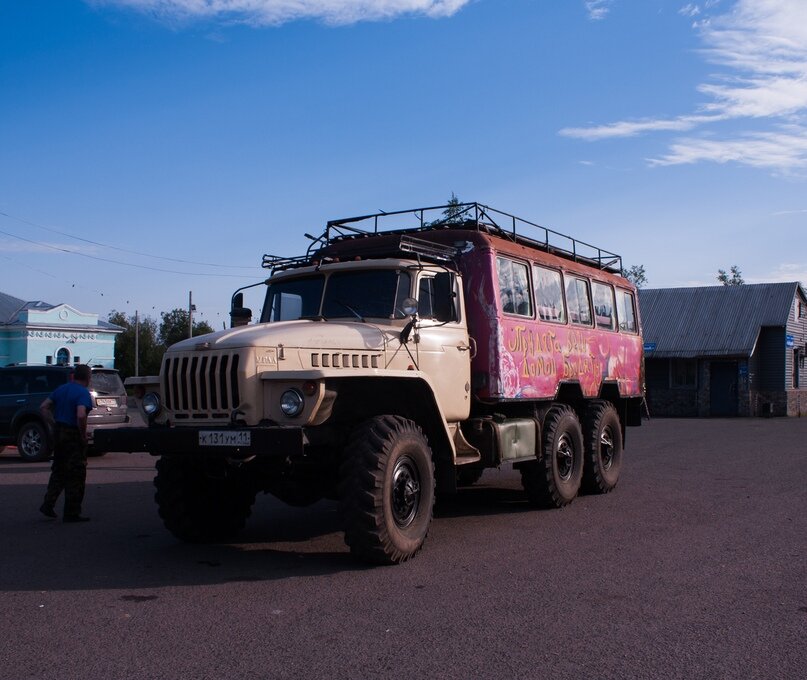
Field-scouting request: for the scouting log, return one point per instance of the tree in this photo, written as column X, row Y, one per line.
column 736, row 278
column 174, row 327
column 150, row 350
column 454, row 213
column 636, row 275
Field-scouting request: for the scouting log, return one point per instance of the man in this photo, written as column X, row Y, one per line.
column 67, row 408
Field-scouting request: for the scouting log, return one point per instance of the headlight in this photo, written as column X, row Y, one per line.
column 291, row 403
column 151, row 403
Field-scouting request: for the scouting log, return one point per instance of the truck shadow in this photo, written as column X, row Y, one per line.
column 126, row 547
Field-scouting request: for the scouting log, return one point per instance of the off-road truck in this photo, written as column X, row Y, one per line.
column 399, row 358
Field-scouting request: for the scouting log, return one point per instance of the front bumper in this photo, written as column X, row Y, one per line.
column 264, row 441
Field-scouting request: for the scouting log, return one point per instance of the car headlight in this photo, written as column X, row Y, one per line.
column 291, row 403
column 151, row 403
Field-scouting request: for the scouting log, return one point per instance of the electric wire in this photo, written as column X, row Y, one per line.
column 123, row 250
column 126, row 264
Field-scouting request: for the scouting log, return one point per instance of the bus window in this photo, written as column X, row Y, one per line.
column 577, row 298
column 603, row 305
column 548, row 295
column 514, row 287
column 625, row 311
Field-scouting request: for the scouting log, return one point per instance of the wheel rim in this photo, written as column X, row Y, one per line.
column 405, row 491
column 607, row 448
column 31, row 443
column 564, row 455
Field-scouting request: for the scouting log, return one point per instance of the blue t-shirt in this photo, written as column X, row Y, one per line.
column 66, row 398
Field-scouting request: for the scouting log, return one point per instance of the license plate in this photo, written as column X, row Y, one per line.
column 107, row 402
column 225, row 438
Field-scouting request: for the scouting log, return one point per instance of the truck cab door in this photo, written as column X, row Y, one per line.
column 444, row 352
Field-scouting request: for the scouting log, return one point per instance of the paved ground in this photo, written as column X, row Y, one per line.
column 695, row 567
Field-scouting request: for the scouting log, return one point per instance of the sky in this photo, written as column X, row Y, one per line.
column 153, row 149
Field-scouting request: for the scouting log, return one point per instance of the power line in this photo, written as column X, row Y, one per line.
column 127, row 264
column 123, row 250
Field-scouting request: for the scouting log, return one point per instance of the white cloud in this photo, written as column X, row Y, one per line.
column 598, row 9
column 633, row 128
column 690, row 10
column 760, row 47
column 782, row 150
column 783, row 273
column 274, row 12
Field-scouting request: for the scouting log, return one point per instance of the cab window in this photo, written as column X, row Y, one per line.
column 514, row 287
column 603, row 305
column 578, row 300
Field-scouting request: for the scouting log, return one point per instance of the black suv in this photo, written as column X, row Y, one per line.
column 24, row 388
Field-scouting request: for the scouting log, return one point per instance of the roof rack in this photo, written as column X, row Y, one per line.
column 473, row 216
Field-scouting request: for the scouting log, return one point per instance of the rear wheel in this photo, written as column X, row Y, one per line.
column 553, row 480
column 32, row 442
column 198, row 505
column 387, row 490
column 603, row 448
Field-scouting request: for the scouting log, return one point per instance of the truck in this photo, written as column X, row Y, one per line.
column 402, row 355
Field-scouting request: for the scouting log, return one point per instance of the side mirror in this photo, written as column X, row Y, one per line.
column 239, row 315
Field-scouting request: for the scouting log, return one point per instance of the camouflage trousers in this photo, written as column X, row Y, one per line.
column 68, row 472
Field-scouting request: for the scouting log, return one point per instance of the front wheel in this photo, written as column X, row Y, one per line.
column 387, row 490
column 198, row 505
column 553, row 481
column 32, row 442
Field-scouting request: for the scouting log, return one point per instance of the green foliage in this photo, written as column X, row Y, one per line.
column 174, row 327
column 153, row 341
column 151, row 351
column 736, row 278
column 636, row 275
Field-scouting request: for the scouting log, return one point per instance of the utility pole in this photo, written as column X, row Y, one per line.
column 137, row 343
column 191, row 310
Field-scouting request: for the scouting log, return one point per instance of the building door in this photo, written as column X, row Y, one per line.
column 723, row 389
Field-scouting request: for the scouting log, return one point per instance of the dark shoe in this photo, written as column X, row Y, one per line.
column 47, row 510
column 75, row 518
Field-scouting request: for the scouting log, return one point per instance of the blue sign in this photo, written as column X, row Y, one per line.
column 790, row 341
column 650, row 347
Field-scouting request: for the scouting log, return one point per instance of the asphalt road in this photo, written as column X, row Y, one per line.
column 695, row 567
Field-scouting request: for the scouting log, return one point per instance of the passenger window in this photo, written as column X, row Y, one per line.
column 603, row 305
column 12, row 382
column 577, row 298
column 514, row 287
column 625, row 311
column 548, row 295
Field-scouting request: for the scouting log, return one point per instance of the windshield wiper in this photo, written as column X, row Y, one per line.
column 351, row 310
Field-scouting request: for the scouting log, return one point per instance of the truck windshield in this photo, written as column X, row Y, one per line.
column 354, row 294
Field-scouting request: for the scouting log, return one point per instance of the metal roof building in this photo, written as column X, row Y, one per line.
column 726, row 350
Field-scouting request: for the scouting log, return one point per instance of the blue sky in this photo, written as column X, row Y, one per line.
column 149, row 148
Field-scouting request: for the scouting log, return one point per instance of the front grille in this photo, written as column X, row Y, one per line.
column 203, row 386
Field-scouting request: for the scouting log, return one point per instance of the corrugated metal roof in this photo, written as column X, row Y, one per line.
column 712, row 320
column 9, row 306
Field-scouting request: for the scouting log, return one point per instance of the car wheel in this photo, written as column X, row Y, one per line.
column 32, row 442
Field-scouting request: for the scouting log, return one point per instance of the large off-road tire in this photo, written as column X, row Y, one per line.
column 554, row 479
column 602, row 434
column 386, row 487
column 197, row 507
column 468, row 476
column 33, row 443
